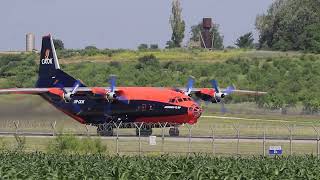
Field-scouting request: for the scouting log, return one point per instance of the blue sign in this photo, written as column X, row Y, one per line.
column 275, row 150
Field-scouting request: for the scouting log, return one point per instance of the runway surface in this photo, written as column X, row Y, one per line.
column 249, row 139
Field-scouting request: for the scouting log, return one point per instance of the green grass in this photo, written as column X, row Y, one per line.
column 181, row 55
column 131, row 146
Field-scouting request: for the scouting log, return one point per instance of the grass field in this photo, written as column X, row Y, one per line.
column 180, row 55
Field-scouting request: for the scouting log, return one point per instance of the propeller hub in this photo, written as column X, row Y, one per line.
column 111, row 96
column 67, row 96
column 220, row 95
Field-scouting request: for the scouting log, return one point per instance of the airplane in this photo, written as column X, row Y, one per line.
column 104, row 107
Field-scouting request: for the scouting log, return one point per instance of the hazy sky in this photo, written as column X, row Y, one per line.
column 118, row 23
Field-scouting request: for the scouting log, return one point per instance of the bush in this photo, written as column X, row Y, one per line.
column 142, row 47
column 71, row 144
column 21, row 142
column 154, row 46
column 148, row 60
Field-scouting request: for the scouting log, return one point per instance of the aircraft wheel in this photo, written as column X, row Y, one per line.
column 174, row 132
column 104, row 130
column 144, row 132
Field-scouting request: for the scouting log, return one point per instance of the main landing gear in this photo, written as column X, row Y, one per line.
column 174, row 132
column 105, row 130
column 144, row 131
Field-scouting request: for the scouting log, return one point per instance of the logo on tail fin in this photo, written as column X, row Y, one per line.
column 46, row 59
column 46, row 54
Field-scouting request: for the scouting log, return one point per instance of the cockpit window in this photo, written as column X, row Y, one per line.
column 171, row 101
column 185, row 99
column 189, row 99
column 180, row 100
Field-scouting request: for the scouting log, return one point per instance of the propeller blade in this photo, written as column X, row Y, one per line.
column 190, row 85
column 76, row 85
column 223, row 108
column 123, row 99
column 107, row 109
column 215, row 85
column 112, row 82
column 229, row 90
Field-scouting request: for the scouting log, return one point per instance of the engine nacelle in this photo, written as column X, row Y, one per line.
column 220, row 95
column 67, row 97
column 111, row 96
column 217, row 97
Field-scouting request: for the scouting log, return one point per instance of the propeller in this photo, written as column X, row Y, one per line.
column 220, row 95
column 68, row 96
column 113, row 95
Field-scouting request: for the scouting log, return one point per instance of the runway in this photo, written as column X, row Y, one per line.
column 248, row 139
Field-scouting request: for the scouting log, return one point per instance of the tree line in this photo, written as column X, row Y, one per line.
column 288, row 25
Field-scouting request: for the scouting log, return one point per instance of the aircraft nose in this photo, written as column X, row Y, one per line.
column 194, row 112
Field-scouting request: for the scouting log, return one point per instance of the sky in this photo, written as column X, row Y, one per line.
column 119, row 23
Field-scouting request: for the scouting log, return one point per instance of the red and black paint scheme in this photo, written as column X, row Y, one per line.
column 99, row 106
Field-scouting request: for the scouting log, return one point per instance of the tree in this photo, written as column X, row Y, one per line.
column 311, row 38
column 143, row 47
column 290, row 25
column 91, row 48
column 177, row 25
column 58, row 44
column 217, row 37
column 245, row 41
column 154, row 46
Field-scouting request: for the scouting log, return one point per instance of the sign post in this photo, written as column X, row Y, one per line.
column 275, row 150
column 152, row 140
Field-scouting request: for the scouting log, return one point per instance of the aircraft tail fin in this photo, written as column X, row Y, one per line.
column 49, row 69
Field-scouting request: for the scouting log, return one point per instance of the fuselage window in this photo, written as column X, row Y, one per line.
column 144, row 107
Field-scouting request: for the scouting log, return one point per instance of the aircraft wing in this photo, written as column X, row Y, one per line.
column 24, row 91
column 250, row 93
column 38, row 91
column 236, row 91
